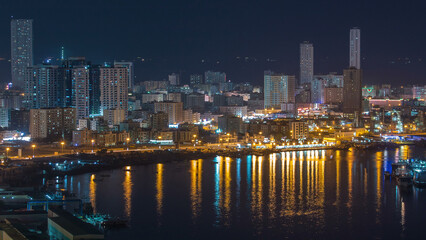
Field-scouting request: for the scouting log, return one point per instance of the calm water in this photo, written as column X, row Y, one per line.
column 295, row 195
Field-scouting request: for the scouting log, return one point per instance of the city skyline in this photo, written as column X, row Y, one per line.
column 190, row 43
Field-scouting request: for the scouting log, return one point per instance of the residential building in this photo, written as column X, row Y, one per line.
column 352, row 90
column 279, row 89
column 173, row 109
column 52, row 123
column 114, row 89
column 21, row 31
column 130, row 70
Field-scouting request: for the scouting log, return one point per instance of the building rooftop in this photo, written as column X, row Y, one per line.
column 72, row 224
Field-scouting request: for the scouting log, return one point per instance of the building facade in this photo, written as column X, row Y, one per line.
column 114, row 88
column 355, row 48
column 52, row 123
column 306, row 62
column 352, row 90
column 21, row 49
column 278, row 89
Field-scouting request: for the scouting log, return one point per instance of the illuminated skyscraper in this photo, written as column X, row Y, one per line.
column 81, row 87
column 306, row 62
column 21, row 49
column 355, row 48
column 130, row 69
column 43, row 87
column 114, row 89
column 279, row 89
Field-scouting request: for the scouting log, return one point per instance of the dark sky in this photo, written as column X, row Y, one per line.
column 175, row 36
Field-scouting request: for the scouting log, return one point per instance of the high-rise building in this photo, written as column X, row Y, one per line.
column 95, row 90
column 114, row 116
column 355, row 48
column 114, row 89
column 44, row 87
column 160, row 121
column 214, row 77
column 317, row 90
column 174, row 110
column 130, row 69
column 331, row 80
column 306, row 62
column 279, row 89
column 333, row 95
column 52, row 123
column 21, row 49
column 352, row 90
column 81, row 87
column 174, row 79
column 195, row 79
column 195, row 101
column 67, row 65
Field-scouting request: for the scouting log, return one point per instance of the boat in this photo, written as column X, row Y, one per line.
column 114, row 223
column 405, row 180
column 399, row 168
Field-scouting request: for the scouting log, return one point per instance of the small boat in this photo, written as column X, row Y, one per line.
column 115, row 223
column 405, row 181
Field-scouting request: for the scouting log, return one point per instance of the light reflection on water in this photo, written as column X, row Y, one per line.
column 307, row 193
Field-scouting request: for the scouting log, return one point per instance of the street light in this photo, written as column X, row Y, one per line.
column 7, row 153
column 62, row 145
column 93, row 143
column 33, row 146
column 127, row 140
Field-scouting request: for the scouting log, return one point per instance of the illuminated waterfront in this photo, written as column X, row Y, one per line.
column 306, row 194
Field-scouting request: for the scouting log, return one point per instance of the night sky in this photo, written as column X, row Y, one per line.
column 242, row 38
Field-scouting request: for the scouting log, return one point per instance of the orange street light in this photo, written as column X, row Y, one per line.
column 93, row 144
column 62, row 145
column 7, row 152
column 33, row 146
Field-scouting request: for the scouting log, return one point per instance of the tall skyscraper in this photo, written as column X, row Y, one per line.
column 81, row 86
column 130, row 69
column 355, row 48
column 279, row 89
column 114, row 89
column 21, row 49
column 306, row 62
column 44, row 87
column 352, row 90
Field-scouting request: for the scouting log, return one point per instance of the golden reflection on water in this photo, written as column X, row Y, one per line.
column 92, row 192
column 159, row 187
column 272, row 188
column 379, row 177
column 127, row 185
column 196, row 191
column 227, row 198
